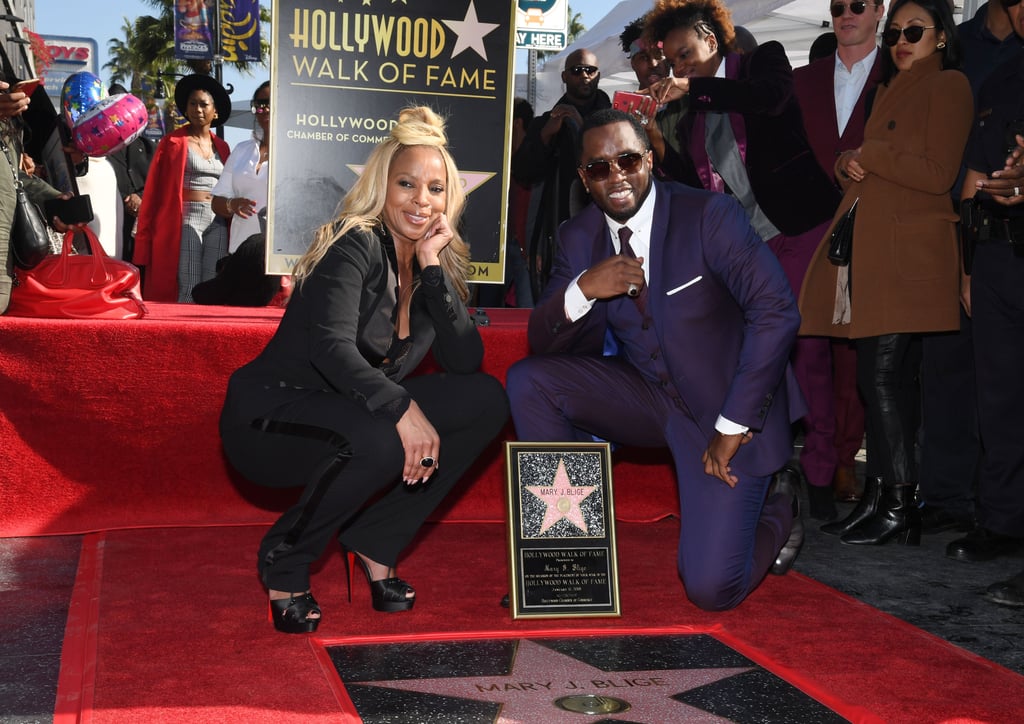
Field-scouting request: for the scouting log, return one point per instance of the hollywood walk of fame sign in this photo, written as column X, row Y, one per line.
column 561, row 530
column 342, row 72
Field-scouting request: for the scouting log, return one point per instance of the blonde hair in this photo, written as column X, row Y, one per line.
column 364, row 203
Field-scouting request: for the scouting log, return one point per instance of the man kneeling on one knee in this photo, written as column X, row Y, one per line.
column 704, row 319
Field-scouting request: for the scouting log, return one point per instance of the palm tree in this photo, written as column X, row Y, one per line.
column 576, row 26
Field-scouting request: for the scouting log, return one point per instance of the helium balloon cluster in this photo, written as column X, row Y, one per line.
column 100, row 124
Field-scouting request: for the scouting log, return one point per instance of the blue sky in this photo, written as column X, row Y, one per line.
column 103, row 19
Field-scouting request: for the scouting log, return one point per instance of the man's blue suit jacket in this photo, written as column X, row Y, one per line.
column 725, row 338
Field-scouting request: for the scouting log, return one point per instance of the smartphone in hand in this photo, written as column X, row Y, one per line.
column 28, row 87
column 636, row 104
column 76, row 210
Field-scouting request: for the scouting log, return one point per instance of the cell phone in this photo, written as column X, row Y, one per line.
column 28, row 87
column 76, row 210
column 637, row 104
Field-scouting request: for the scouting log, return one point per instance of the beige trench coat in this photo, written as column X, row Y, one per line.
column 905, row 271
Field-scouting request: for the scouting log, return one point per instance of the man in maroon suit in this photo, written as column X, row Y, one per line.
column 831, row 93
column 704, row 318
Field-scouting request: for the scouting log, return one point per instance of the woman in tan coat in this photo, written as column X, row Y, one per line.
column 904, row 275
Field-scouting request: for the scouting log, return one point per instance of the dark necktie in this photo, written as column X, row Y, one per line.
column 625, row 234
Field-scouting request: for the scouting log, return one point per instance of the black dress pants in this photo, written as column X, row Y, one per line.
column 887, row 376
column 997, row 303
column 326, row 440
column 950, row 443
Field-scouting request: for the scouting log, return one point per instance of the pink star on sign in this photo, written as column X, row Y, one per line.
column 562, row 499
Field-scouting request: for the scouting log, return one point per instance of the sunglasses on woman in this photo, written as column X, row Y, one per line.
column 1007, row 4
column 857, row 8
column 913, row 33
column 625, row 162
column 261, row 106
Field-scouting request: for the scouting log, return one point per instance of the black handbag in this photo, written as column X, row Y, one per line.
column 30, row 243
column 840, row 243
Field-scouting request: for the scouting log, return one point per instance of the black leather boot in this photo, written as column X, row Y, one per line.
column 897, row 517
column 865, row 509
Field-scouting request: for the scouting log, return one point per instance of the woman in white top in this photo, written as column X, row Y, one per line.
column 241, row 192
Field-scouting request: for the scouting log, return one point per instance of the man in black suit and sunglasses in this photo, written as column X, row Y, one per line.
column 548, row 156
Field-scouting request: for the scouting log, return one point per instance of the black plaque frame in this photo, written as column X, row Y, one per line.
column 562, row 555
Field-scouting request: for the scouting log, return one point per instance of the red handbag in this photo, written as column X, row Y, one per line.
column 78, row 286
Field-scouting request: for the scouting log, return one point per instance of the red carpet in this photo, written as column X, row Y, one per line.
column 113, row 424
column 170, row 625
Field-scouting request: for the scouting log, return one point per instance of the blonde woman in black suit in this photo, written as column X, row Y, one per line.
column 329, row 404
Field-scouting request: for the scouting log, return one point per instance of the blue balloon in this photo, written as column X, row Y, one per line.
column 80, row 93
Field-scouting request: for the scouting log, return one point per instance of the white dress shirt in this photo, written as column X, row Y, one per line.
column 244, row 176
column 848, row 86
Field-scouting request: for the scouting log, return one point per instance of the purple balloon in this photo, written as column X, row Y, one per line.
column 80, row 93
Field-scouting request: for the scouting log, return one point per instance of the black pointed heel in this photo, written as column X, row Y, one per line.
column 291, row 615
column 389, row 594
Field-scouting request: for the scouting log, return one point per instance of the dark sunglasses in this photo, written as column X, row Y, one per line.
column 589, row 69
column 1007, row 4
column 857, row 8
column 913, row 33
column 626, row 162
column 261, row 106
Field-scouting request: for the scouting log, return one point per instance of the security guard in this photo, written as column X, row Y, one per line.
column 993, row 229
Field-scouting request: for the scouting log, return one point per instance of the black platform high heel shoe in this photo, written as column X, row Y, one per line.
column 389, row 594
column 291, row 615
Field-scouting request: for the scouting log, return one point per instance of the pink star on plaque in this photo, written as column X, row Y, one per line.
column 562, row 499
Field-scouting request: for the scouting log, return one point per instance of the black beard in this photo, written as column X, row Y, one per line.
column 623, row 217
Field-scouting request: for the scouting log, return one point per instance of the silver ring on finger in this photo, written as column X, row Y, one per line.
column 633, row 289
column 1016, row 190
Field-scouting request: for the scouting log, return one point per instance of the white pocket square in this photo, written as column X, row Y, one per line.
column 681, row 287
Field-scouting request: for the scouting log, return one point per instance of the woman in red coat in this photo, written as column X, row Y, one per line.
column 179, row 239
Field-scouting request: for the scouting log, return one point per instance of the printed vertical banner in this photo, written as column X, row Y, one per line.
column 240, row 31
column 193, row 39
column 342, row 73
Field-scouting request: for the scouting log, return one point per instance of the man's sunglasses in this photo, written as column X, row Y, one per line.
column 261, row 106
column 857, row 8
column 1007, row 4
column 592, row 69
column 625, row 162
column 913, row 33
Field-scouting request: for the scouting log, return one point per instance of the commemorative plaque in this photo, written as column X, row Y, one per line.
column 561, row 530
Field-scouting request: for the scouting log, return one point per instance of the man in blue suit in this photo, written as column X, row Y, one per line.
column 704, row 319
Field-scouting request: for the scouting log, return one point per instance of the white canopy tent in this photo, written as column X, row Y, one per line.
column 794, row 23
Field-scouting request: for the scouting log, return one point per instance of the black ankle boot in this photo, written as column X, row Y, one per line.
column 865, row 509
column 897, row 517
